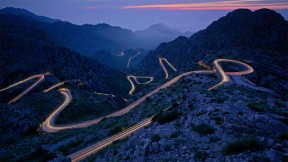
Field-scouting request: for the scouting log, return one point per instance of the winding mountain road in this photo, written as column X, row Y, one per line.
column 54, row 86
column 130, row 58
column 164, row 68
column 41, row 78
column 133, row 87
column 88, row 151
column 49, row 124
column 223, row 75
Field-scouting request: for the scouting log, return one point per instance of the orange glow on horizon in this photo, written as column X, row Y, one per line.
column 226, row 5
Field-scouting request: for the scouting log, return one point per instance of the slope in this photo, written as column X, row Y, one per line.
column 260, row 38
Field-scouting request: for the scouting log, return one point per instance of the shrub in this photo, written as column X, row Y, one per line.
column 177, row 144
column 148, row 99
column 200, row 156
column 156, row 138
column 40, row 154
column 114, row 130
column 167, row 148
column 283, row 136
column 115, row 152
column 204, row 129
column 257, row 106
column 219, row 99
column 175, row 134
column 167, row 117
column 279, row 104
column 215, row 139
column 218, row 120
column 127, row 157
column 240, row 113
column 238, row 146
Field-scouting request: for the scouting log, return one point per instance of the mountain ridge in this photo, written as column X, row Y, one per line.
column 93, row 38
column 20, row 11
column 258, row 37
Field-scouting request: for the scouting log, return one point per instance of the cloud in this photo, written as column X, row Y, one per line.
column 216, row 5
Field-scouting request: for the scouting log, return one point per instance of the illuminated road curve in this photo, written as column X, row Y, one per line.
column 80, row 155
column 133, row 87
column 40, row 77
column 163, row 67
column 128, row 64
column 54, row 86
column 224, row 77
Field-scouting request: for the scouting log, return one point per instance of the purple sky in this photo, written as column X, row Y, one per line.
column 137, row 15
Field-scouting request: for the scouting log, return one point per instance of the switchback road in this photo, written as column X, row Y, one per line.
column 49, row 124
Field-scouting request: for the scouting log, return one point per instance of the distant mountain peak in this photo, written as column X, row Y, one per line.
column 159, row 33
column 158, row 25
column 162, row 28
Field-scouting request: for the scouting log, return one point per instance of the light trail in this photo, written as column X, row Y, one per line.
column 224, row 77
column 163, row 67
column 54, row 86
column 202, row 64
column 104, row 94
column 121, row 54
column 133, row 87
column 49, row 124
column 128, row 64
column 41, row 78
column 80, row 155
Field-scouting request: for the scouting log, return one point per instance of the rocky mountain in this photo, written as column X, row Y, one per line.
column 158, row 33
column 26, row 49
column 260, row 38
column 92, row 40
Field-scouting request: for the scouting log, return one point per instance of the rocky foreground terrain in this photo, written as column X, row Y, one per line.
column 232, row 123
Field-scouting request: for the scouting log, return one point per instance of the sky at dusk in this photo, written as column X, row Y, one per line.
column 139, row 14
